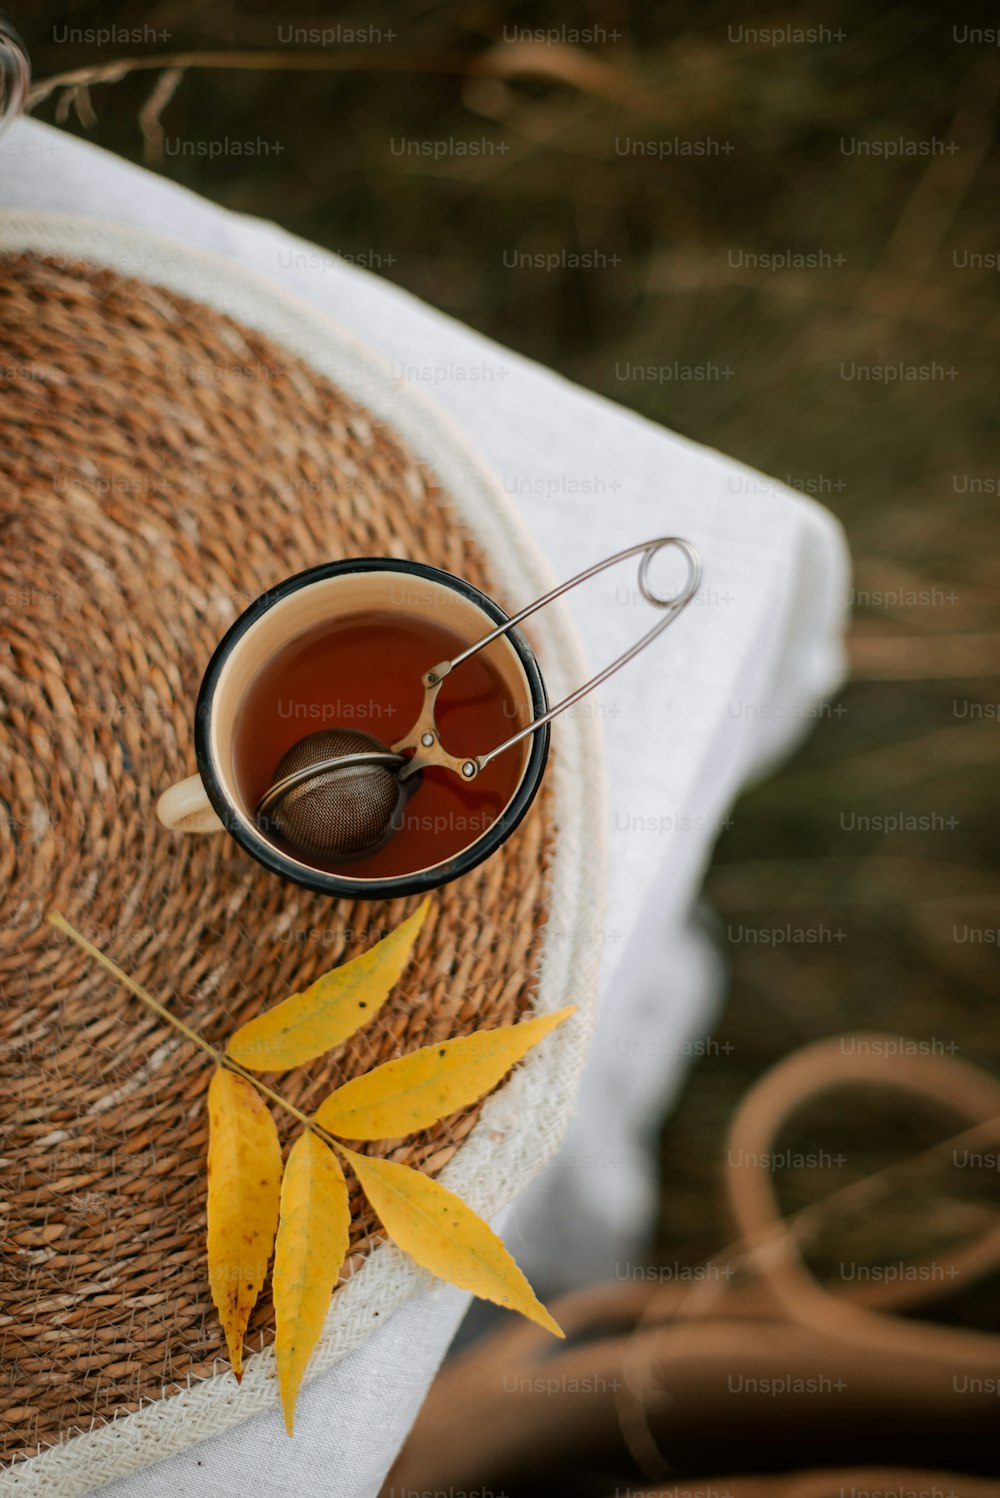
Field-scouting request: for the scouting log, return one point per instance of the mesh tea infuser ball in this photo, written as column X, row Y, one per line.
column 345, row 809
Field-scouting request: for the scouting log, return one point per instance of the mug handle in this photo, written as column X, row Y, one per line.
column 186, row 808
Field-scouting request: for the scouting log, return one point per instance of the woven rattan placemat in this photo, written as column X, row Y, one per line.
column 160, row 466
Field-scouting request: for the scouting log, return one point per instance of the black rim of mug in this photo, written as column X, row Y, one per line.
column 343, row 886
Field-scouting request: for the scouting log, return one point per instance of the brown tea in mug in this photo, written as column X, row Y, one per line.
column 365, row 672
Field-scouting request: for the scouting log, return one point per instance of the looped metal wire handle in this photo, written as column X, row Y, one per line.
column 423, row 737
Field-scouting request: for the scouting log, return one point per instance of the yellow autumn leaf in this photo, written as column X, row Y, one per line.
column 416, row 1090
column 313, row 1235
column 307, row 1024
column 244, row 1180
column 443, row 1235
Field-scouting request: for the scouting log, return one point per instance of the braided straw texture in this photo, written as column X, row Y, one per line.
column 164, row 461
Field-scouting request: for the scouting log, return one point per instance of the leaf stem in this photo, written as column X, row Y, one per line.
column 219, row 1057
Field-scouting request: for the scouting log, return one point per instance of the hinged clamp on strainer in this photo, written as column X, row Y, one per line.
column 337, row 791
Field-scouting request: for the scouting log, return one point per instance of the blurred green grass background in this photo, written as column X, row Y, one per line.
column 903, row 269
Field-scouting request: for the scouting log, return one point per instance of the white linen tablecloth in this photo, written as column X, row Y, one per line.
column 714, row 703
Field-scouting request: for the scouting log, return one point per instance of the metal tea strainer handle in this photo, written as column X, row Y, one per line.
column 423, row 737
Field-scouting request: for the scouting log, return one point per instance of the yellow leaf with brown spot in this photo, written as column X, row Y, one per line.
column 416, row 1090
column 244, row 1181
column 307, row 1024
column 313, row 1235
column 443, row 1235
